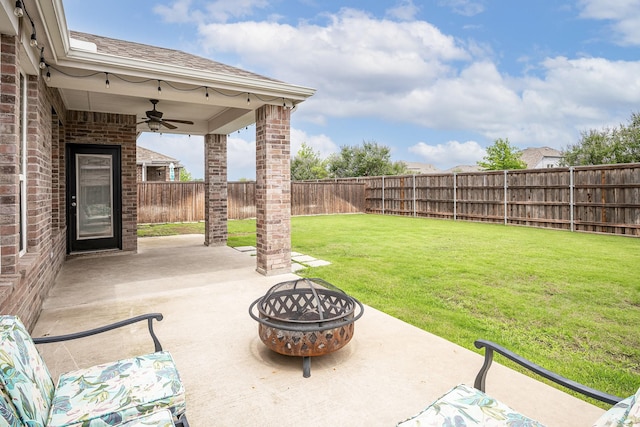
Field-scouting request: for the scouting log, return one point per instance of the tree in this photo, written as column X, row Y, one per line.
column 185, row 175
column 307, row 164
column 502, row 156
column 370, row 159
column 606, row 146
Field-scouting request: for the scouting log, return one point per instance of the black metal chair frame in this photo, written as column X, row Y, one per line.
column 490, row 347
column 150, row 317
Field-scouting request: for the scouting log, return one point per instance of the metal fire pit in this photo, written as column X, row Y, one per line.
column 305, row 317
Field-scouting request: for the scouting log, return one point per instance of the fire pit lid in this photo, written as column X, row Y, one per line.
column 305, row 301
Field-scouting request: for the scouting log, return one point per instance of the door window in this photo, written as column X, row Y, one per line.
column 94, row 196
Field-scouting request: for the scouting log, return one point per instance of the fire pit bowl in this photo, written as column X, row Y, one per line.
column 305, row 317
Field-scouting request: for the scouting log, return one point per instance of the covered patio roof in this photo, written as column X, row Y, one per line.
column 79, row 66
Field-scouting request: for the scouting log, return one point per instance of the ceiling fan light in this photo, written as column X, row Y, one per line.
column 154, row 125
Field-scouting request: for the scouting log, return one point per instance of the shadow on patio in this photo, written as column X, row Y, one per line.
column 388, row 372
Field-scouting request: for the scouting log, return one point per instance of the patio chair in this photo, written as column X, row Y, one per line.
column 140, row 391
column 471, row 406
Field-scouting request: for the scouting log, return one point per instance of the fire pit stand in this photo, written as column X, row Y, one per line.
column 305, row 317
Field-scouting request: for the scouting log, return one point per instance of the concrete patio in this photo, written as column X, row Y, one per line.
column 388, row 372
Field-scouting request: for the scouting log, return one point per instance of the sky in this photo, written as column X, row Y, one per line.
column 435, row 81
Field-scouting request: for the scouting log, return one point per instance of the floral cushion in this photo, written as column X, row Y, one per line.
column 8, row 416
column 465, row 406
column 161, row 418
column 23, row 374
column 624, row 414
column 109, row 394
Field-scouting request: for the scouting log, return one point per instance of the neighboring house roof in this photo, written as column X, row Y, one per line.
column 150, row 157
column 464, row 169
column 536, row 157
column 426, row 168
column 421, row 168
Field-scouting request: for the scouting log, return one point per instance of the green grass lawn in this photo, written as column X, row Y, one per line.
column 170, row 229
column 568, row 301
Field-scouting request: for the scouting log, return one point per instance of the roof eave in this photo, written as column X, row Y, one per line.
column 149, row 69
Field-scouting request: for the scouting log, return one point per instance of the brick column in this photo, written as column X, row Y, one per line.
column 215, row 198
column 273, row 190
column 9, row 158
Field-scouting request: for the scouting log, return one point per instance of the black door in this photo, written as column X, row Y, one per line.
column 94, row 197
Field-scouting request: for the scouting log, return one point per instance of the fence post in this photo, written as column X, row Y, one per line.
column 455, row 196
column 383, row 195
column 571, row 198
column 414, row 195
column 505, row 198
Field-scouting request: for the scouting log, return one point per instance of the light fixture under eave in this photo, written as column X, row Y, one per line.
column 33, row 42
column 154, row 126
column 18, row 11
column 43, row 64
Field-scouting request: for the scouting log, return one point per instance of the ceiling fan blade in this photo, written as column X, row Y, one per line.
column 168, row 125
column 186, row 122
column 144, row 121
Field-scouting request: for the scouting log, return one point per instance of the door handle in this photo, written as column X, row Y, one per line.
column 73, row 204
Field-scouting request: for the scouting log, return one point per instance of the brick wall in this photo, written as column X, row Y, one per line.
column 9, row 116
column 273, row 190
column 83, row 127
column 26, row 280
column 215, row 197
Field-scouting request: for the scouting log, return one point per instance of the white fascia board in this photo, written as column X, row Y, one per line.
column 9, row 23
column 82, row 59
column 55, row 26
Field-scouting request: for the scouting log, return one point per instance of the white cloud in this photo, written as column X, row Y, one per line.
column 322, row 144
column 452, row 153
column 464, row 7
column 623, row 14
column 223, row 10
column 411, row 72
column 179, row 12
column 241, row 159
column 354, row 55
column 182, row 11
column 406, row 10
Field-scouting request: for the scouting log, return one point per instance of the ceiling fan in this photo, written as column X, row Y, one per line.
column 155, row 120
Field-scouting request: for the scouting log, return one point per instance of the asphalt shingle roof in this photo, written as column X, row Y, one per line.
column 144, row 155
column 161, row 55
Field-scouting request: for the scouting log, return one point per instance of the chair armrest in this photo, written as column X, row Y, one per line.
column 182, row 421
column 148, row 317
column 490, row 347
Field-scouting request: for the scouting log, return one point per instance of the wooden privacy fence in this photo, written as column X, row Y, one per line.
column 602, row 199
column 160, row 202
